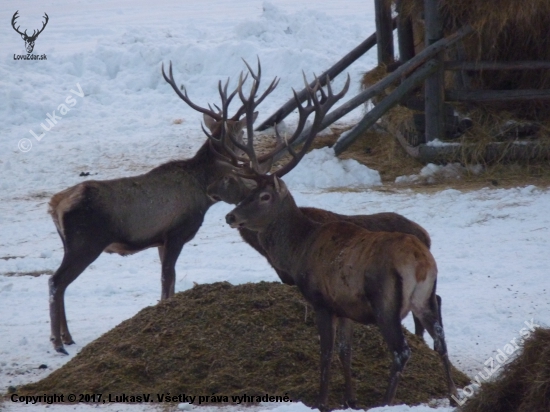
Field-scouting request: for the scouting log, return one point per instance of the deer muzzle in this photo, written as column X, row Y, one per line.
column 232, row 221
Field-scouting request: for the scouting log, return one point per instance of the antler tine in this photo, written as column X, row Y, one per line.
column 303, row 113
column 226, row 100
column 244, row 148
column 271, row 87
column 242, row 109
column 183, row 96
column 321, row 109
column 249, row 104
column 43, row 25
column 233, row 157
column 257, row 77
column 13, row 19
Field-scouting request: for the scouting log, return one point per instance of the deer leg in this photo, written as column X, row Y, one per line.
column 345, row 335
column 419, row 327
column 170, row 252
column 73, row 264
column 326, row 326
column 388, row 320
column 160, row 249
column 431, row 319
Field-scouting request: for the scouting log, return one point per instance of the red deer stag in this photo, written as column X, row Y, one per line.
column 163, row 208
column 233, row 189
column 344, row 271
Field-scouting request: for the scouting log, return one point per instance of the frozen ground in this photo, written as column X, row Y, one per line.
column 491, row 245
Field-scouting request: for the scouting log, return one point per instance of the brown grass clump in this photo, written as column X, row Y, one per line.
column 524, row 383
column 253, row 339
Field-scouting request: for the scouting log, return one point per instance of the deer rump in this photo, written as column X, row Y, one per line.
column 396, row 268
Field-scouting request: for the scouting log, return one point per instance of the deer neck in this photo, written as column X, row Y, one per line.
column 287, row 237
column 205, row 168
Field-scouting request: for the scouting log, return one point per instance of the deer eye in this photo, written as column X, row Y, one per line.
column 264, row 197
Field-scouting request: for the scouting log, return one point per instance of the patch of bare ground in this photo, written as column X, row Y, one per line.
column 34, row 273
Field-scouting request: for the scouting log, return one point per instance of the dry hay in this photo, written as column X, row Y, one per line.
column 524, row 383
column 253, row 339
column 504, row 30
column 492, row 141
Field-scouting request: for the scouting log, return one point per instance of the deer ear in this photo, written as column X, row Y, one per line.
column 209, row 121
column 226, row 167
column 242, row 122
column 249, row 183
column 280, row 186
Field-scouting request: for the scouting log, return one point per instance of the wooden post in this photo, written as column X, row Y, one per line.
column 405, row 36
column 335, row 70
column 488, row 65
column 401, row 72
column 434, row 86
column 497, row 95
column 384, row 31
column 386, row 104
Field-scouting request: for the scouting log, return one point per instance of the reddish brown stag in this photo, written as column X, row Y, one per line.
column 233, row 189
column 343, row 270
column 163, row 208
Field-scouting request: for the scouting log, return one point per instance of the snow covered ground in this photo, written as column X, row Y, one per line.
column 103, row 64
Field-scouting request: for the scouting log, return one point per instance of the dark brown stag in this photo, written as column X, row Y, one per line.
column 163, row 208
column 343, row 270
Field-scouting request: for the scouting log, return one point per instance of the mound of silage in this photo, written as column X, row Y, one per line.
column 524, row 383
column 253, row 339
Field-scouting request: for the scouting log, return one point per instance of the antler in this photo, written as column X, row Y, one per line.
column 43, row 26
column 320, row 105
column 217, row 143
column 183, row 95
column 34, row 33
column 249, row 105
column 15, row 16
column 321, row 108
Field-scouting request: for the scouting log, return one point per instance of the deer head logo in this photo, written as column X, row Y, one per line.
column 29, row 40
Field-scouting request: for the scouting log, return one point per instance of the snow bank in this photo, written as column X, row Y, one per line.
column 432, row 173
column 321, row 169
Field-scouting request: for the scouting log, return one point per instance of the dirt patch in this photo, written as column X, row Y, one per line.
column 34, row 273
column 524, row 383
column 253, row 339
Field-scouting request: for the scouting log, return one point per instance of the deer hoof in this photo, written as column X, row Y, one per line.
column 61, row 349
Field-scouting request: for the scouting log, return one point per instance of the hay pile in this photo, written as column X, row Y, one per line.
column 504, row 31
column 252, row 339
column 524, row 383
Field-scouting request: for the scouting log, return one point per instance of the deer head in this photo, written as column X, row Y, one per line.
column 263, row 202
column 29, row 40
